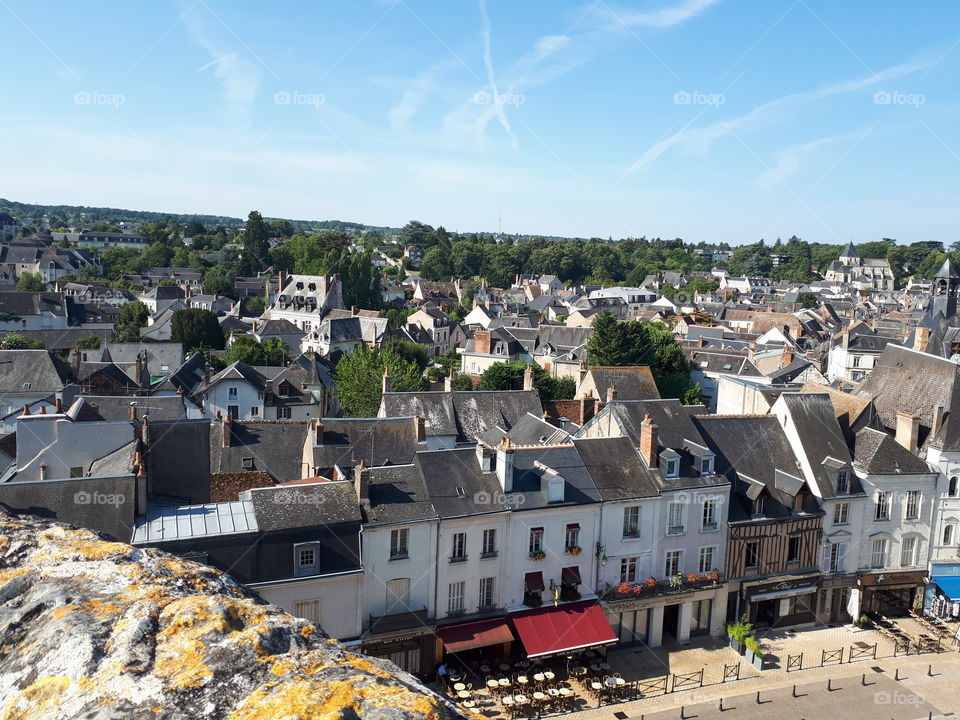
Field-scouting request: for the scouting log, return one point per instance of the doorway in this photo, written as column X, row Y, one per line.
column 671, row 620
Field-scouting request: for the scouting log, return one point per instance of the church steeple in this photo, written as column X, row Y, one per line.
column 946, row 287
column 849, row 254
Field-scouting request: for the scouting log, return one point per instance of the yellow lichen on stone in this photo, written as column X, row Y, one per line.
column 64, row 610
column 282, row 667
column 36, row 699
column 103, row 609
column 366, row 666
column 307, row 630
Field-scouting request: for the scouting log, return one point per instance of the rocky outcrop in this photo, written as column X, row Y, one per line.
column 101, row 630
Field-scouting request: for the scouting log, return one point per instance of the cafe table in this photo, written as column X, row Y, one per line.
column 463, row 694
column 459, row 686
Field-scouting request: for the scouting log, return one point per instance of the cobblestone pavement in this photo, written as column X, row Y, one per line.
column 867, row 688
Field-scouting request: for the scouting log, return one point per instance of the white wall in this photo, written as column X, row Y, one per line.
column 339, row 595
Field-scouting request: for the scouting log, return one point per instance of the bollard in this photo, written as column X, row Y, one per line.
column 863, row 679
column 721, row 704
column 683, row 715
column 896, row 674
column 794, row 691
column 929, row 670
column 758, row 698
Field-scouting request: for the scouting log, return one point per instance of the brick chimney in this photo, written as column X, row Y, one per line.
column 481, row 342
column 648, row 442
column 26, row 410
column 787, row 356
column 385, row 383
column 845, row 338
column 43, row 410
column 528, row 377
column 908, row 430
column 361, row 483
column 611, row 393
column 227, row 430
column 921, row 339
column 133, row 412
column 145, row 429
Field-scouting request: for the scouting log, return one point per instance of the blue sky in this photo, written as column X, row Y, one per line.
column 714, row 120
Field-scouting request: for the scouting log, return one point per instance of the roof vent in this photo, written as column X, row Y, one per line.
column 460, row 492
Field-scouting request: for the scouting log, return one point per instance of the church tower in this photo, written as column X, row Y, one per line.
column 946, row 285
column 849, row 255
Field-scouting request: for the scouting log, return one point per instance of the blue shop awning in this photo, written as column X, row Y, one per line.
column 949, row 586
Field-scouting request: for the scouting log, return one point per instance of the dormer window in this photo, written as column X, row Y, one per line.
column 706, row 465
column 843, row 481
column 670, row 462
column 758, row 506
column 673, row 468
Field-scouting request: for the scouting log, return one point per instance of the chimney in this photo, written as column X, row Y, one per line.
column 938, row 413
column 648, row 442
column 611, row 393
column 481, row 342
column 227, row 430
column 700, row 341
column 528, row 378
column 145, row 429
column 385, row 384
column 43, row 471
column 58, row 403
column 76, row 361
column 751, row 350
column 787, row 356
column 505, row 465
column 353, row 309
column 582, row 373
column 361, row 483
column 908, row 430
column 921, row 339
column 485, row 458
column 138, row 464
column 133, row 413
column 845, row 338
column 420, row 428
column 283, row 281
column 26, row 410
column 139, row 367
column 318, row 432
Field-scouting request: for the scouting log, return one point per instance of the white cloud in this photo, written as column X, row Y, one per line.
column 495, row 108
column 700, row 139
column 239, row 78
column 417, row 92
column 790, row 159
column 659, row 18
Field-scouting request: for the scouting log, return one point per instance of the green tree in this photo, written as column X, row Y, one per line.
column 132, row 317
column 509, row 376
column 31, row 282
column 196, row 329
column 271, row 351
column 807, row 300
column 359, row 379
column 693, row 396
column 88, row 342
column 16, row 341
column 216, row 283
column 256, row 244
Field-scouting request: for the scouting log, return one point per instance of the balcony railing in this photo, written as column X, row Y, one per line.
column 396, row 622
column 682, row 582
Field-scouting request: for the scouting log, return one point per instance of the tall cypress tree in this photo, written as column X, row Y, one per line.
column 256, row 244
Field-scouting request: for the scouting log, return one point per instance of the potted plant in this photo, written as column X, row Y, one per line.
column 532, row 599
column 574, row 550
column 569, row 593
column 863, row 622
column 738, row 633
column 538, row 555
column 754, row 656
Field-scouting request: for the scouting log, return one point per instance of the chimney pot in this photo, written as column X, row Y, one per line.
column 386, row 380
column 611, row 393
column 59, row 405
column 528, row 378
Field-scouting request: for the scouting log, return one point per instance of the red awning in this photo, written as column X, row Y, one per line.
column 478, row 634
column 533, row 581
column 563, row 629
column 570, row 575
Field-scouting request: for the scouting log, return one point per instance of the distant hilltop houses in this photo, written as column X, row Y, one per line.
column 573, row 449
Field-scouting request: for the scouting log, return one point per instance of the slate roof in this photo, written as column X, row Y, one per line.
column 376, row 441
column 820, row 436
column 529, row 479
column 465, row 415
column 909, row 381
column 33, row 303
column 397, row 494
column 616, row 468
column 32, row 371
column 632, row 382
column 528, row 430
column 275, row 447
column 446, row 471
column 303, row 506
column 240, row 371
column 753, row 452
column 117, row 407
column 877, row 452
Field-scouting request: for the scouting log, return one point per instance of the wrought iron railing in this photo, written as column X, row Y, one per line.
column 683, row 582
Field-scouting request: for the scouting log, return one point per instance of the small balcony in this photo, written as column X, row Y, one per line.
column 397, row 622
column 680, row 583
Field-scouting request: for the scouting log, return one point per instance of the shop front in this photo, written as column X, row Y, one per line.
column 783, row 601
column 892, row 594
column 412, row 651
column 676, row 617
column 837, row 599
